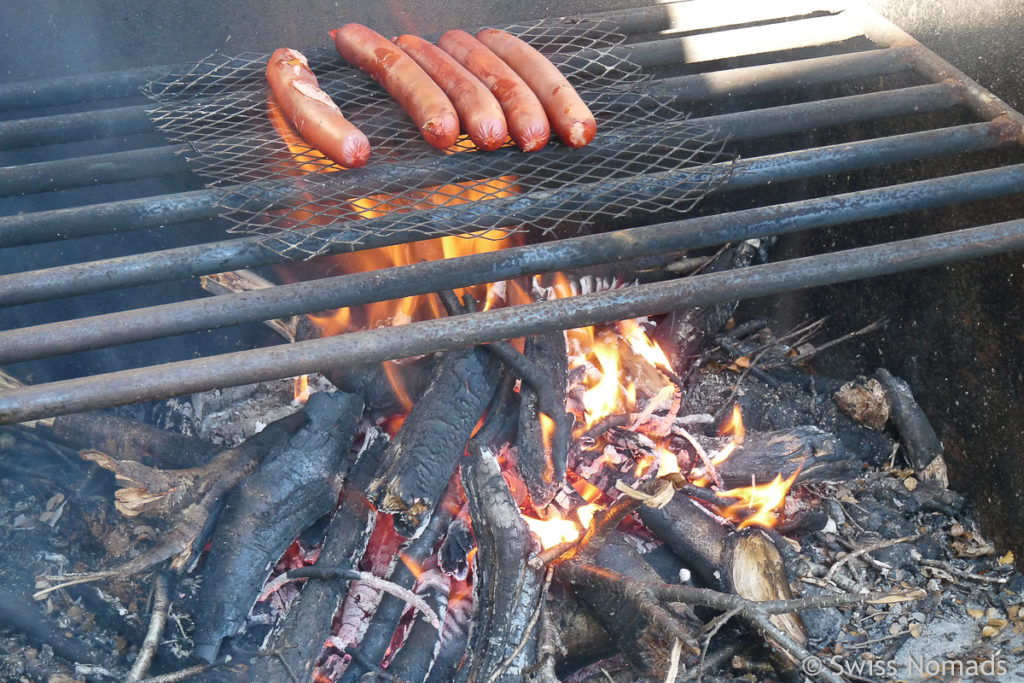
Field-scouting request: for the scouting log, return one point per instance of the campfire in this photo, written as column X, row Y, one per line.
column 506, row 417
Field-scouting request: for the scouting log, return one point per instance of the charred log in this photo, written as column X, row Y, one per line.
column 190, row 500
column 542, row 461
column 645, row 645
column 506, row 590
column 744, row 562
column 426, row 451
column 685, row 334
column 262, row 517
column 920, row 442
column 125, row 439
column 298, row 640
column 816, row 454
column 413, row 661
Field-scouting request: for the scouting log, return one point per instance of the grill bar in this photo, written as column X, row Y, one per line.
column 248, row 252
column 355, row 348
column 118, row 166
column 150, row 212
column 41, row 341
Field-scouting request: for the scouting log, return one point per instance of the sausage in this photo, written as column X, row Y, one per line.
column 421, row 98
column 526, row 119
column 568, row 114
column 313, row 113
column 478, row 110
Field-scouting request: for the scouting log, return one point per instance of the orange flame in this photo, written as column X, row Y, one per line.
column 553, row 531
column 738, row 431
column 603, row 398
column 763, row 501
column 300, row 389
column 586, row 513
column 587, row 491
column 414, row 567
column 643, row 345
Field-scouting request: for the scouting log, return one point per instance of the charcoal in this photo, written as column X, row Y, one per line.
column 263, row 516
column 454, row 551
column 921, row 444
column 426, row 451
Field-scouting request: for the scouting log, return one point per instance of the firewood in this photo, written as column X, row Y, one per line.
column 818, row 455
column 506, row 590
column 265, row 514
column 744, row 562
column 125, row 439
column 543, row 464
column 193, row 507
column 413, row 661
column 645, row 645
column 427, row 448
column 298, row 639
column 685, row 334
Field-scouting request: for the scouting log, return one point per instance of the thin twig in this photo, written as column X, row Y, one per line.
column 157, row 621
column 867, row 549
column 314, row 572
column 946, row 566
column 179, row 675
column 703, row 455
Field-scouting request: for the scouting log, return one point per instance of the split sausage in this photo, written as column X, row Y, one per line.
column 313, row 113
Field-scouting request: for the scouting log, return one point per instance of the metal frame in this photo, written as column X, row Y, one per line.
column 896, row 52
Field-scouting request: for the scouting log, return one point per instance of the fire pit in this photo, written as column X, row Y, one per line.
column 807, row 121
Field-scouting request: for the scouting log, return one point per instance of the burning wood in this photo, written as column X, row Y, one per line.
column 265, row 514
column 482, row 571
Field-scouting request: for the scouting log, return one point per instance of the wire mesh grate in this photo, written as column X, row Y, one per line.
column 647, row 157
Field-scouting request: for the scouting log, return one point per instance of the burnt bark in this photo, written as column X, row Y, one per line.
column 684, row 335
column 818, row 455
column 506, row 591
column 542, row 462
column 426, row 451
column 265, row 514
column 124, row 439
column 645, row 645
column 297, row 641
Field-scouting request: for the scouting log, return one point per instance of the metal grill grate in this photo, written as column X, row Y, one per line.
column 835, row 114
column 219, row 108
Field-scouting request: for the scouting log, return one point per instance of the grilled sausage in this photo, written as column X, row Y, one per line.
column 421, row 98
column 315, row 116
column 478, row 110
column 568, row 114
column 526, row 119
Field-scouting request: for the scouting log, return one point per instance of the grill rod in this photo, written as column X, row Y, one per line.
column 694, row 15
column 111, row 329
column 355, row 348
column 134, row 119
column 151, row 212
column 94, row 169
column 101, row 275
